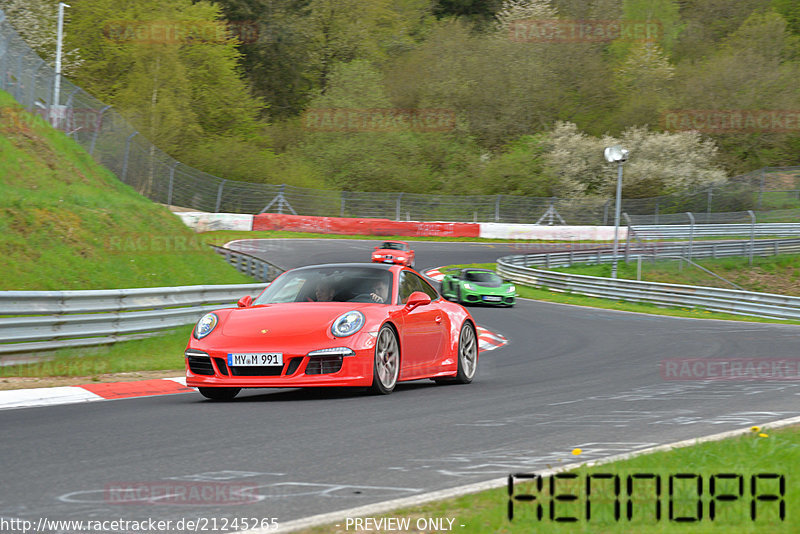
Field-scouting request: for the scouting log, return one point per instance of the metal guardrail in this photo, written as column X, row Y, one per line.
column 250, row 265
column 655, row 251
column 56, row 319
column 709, row 298
column 685, row 231
column 739, row 302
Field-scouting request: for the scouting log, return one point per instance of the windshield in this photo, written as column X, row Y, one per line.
column 483, row 277
column 393, row 246
column 329, row 284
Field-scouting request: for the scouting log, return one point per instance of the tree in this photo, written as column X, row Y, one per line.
column 37, row 22
column 169, row 68
column 708, row 22
column 754, row 68
column 660, row 163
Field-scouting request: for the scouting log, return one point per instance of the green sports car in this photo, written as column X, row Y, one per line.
column 473, row 286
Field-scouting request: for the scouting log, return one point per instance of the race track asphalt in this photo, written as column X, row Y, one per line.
column 570, row 377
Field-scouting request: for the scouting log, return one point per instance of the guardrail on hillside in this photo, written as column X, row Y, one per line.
column 688, row 231
column 250, row 265
column 655, row 251
column 46, row 320
column 720, row 300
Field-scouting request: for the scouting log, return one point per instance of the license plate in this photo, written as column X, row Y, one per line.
column 259, row 359
column 388, row 261
column 491, row 298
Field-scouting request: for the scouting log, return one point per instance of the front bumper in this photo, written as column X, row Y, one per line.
column 209, row 368
column 490, row 299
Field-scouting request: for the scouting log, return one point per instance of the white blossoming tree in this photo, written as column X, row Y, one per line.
column 37, row 23
column 659, row 163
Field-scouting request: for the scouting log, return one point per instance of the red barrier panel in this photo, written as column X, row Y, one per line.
column 345, row 226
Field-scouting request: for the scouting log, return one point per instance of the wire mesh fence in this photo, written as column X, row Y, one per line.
column 116, row 144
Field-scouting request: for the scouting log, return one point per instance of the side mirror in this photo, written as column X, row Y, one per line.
column 245, row 301
column 376, row 248
column 418, row 298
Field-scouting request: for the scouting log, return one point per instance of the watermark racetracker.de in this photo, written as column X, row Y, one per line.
column 719, row 121
column 730, row 369
column 181, row 31
column 584, row 31
column 379, row 120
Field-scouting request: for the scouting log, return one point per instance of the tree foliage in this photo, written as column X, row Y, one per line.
column 531, row 115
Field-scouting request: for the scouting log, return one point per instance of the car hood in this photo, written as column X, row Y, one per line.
column 391, row 251
column 289, row 319
column 485, row 284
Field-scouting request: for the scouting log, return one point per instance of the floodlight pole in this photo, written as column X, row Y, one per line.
column 616, row 219
column 59, row 46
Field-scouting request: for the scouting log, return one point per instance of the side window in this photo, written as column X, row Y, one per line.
column 410, row 282
column 427, row 288
column 407, row 286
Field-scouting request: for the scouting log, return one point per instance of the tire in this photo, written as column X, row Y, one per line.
column 386, row 365
column 467, row 354
column 219, row 394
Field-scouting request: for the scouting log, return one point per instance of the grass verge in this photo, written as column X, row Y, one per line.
column 161, row 354
column 68, row 223
column 771, row 274
column 742, row 459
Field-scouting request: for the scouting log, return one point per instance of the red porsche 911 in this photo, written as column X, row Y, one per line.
column 361, row 325
column 394, row 252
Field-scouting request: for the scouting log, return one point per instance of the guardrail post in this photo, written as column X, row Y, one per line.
column 32, row 88
column 97, row 127
column 708, row 207
column 219, row 196
column 343, row 197
column 547, row 261
column 171, row 181
column 753, row 229
column 497, row 208
column 127, row 155
column 397, row 208
column 605, row 212
column 691, row 233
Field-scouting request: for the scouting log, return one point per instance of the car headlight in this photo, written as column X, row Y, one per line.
column 511, row 288
column 348, row 324
column 469, row 287
column 205, row 325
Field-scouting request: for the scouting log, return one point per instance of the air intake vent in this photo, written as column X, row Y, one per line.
column 324, row 365
column 294, row 363
column 200, row 365
column 222, row 365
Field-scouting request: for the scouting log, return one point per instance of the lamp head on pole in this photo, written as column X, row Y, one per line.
column 616, row 154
